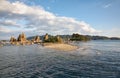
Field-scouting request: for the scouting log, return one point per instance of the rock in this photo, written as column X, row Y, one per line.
column 22, row 38
column 46, row 37
column 17, row 43
column 1, row 44
column 37, row 39
column 59, row 39
column 12, row 39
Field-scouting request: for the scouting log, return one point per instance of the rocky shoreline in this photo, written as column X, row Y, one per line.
column 53, row 42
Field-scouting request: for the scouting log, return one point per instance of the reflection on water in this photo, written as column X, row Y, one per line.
column 94, row 59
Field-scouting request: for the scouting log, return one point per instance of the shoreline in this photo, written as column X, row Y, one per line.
column 56, row 46
column 60, row 46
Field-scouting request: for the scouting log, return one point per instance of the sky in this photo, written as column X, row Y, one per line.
column 38, row 17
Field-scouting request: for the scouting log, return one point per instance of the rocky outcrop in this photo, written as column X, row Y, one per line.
column 59, row 39
column 37, row 39
column 22, row 38
column 46, row 37
column 13, row 40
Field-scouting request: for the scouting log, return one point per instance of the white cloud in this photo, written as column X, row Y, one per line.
column 40, row 20
column 9, row 23
column 3, row 29
column 111, row 32
column 107, row 5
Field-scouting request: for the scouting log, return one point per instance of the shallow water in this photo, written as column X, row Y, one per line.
column 94, row 59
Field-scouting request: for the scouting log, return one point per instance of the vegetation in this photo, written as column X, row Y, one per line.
column 75, row 37
column 78, row 37
column 53, row 39
column 98, row 37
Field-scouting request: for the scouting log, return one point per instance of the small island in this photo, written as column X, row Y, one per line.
column 48, row 41
column 58, row 42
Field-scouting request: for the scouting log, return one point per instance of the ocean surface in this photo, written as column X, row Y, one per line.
column 93, row 59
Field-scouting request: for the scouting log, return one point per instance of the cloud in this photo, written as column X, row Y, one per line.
column 107, row 5
column 3, row 29
column 9, row 23
column 36, row 19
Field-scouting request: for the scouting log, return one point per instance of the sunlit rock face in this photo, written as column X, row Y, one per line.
column 13, row 40
column 22, row 38
column 59, row 39
column 46, row 37
column 37, row 39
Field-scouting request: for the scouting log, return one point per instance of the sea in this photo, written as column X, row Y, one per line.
column 93, row 59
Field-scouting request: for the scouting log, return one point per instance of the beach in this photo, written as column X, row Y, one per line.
column 62, row 46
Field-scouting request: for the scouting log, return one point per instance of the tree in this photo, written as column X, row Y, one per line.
column 78, row 37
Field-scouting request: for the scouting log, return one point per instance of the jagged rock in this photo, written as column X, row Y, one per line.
column 46, row 37
column 37, row 39
column 22, row 38
column 59, row 39
column 12, row 39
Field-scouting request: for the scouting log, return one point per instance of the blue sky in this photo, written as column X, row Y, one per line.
column 94, row 12
column 34, row 17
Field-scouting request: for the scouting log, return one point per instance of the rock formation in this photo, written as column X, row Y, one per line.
column 13, row 40
column 59, row 39
column 37, row 39
column 22, row 38
column 46, row 37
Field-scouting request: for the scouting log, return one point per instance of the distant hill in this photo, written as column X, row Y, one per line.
column 32, row 37
column 102, row 38
column 88, row 37
column 92, row 37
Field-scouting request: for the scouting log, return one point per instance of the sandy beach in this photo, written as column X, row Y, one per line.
column 62, row 47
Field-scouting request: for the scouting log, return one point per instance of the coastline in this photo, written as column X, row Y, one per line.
column 60, row 46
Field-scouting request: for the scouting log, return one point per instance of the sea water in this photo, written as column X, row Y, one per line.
column 93, row 59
